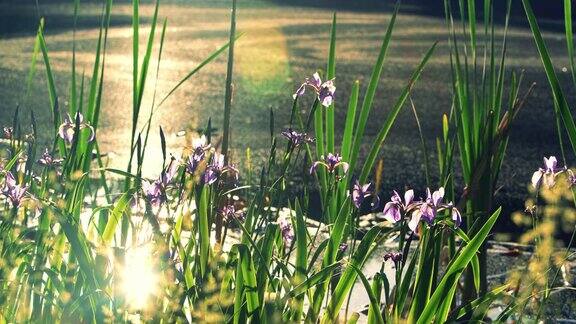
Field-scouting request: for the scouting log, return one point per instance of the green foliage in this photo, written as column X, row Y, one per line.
column 213, row 250
column 480, row 118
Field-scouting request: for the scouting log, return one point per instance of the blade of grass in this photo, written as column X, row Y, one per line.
column 330, row 74
column 50, row 78
column 481, row 303
column 228, row 89
column 349, row 276
column 34, row 59
column 350, row 120
column 117, row 213
column 209, row 59
column 374, row 303
column 95, row 95
column 382, row 134
column 248, row 276
column 149, row 121
column 301, row 259
column 569, row 37
column 371, row 91
column 423, row 142
column 560, row 105
column 317, row 278
column 438, row 306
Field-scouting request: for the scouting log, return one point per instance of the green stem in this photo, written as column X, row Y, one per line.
column 228, row 94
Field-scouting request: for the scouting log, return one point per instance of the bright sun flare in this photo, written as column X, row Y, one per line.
column 139, row 281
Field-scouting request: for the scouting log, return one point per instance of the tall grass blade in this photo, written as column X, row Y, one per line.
column 349, row 276
column 115, row 216
column 50, row 78
column 439, row 304
column 374, row 303
column 423, row 143
column 34, row 59
column 350, row 120
column 560, row 104
column 330, row 74
column 301, row 259
column 228, row 93
column 382, row 134
column 209, row 59
column 371, row 90
column 569, row 37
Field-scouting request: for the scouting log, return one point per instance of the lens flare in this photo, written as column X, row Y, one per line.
column 139, row 280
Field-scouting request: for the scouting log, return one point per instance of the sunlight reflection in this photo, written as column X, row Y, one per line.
column 139, row 280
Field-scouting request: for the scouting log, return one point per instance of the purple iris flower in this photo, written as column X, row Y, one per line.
column 331, row 162
column 14, row 192
column 343, row 247
column 456, row 216
column 571, row 178
column 68, row 128
column 361, row 192
column 229, row 213
column 8, row 132
column 216, row 168
column 393, row 256
column 167, row 175
column 296, row 138
column 428, row 208
column 325, row 91
column 286, row 230
column 547, row 174
column 47, row 159
column 199, row 148
column 433, row 201
column 395, row 207
column 155, row 191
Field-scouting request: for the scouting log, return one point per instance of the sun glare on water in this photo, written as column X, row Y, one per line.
column 139, row 280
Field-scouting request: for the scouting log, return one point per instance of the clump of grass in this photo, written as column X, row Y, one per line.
column 480, row 119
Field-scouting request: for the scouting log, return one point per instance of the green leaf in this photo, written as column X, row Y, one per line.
column 249, row 276
column 404, row 286
column 209, row 59
column 349, row 276
column 371, row 91
column 317, row 278
column 444, row 293
column 569, row 37
column 374, row 303
column 477, row 308
column 377, row 144
column 560, row 105
column 350, row 120
column 330, row 74
column 204, row 229
column 335, row 239
column 50, row 78
column 117, row 214
column 301, row 259
column 228, row 89
column 378, row 281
